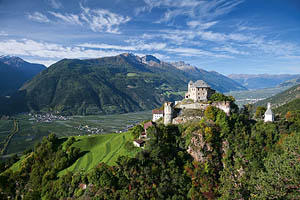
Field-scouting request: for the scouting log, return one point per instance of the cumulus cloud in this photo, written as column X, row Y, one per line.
column 38, row 17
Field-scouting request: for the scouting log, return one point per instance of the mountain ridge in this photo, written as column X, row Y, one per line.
column 14, row 72
column 116, row 84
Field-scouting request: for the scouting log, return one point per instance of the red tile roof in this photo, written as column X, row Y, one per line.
column 157, row 112
column 147, row 125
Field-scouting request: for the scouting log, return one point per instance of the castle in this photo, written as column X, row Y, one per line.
column 196, row 98
column 199, row 91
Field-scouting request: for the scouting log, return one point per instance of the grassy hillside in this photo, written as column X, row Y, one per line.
column 282, row 98
column 103, row 148
column 95, row 149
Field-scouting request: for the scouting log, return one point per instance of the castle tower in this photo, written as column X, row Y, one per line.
column 190, row 86
column 168, row 113
column 269, row 116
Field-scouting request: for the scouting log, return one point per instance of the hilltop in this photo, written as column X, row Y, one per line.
column 117, row 84
column 14, row 72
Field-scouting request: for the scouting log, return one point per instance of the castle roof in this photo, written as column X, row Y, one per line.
column 200, row 83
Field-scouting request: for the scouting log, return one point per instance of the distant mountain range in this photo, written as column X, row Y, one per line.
column 14, row 72
column 282, row 98
column 116, row 84
column 260, row 81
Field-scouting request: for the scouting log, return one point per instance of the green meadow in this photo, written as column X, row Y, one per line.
column 95, row 149
column 103, row 148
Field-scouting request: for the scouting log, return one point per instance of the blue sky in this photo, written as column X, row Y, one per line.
column 227, row 36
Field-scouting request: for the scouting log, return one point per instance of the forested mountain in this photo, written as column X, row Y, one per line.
column 282, row 98
column 259, row 81
column 14, row 72
column 122, row 83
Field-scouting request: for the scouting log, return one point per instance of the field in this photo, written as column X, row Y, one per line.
column 252, row 96
column 100, row 148
column 31, row 131
column 103, row 148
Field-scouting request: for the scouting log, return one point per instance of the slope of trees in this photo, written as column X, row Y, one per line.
column 218, row 157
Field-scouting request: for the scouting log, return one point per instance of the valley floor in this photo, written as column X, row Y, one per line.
column 30, row 131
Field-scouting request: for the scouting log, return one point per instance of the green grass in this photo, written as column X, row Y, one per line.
column 5, row 128
column 131, row 74
column 102, row 148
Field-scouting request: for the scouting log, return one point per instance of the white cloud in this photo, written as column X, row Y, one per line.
column 101, row 20
column 38, row 17
column 200, row 25
column 231, row 50
column 195, row 52
column 68, row 18
column 98, row 20
column 107, row 46
column 136, row 46
column 56, row 4
column 3, row 33
column 203, row 11
column 45, row 62
column 50, row 51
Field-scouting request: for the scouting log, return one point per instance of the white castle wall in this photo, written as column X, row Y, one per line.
column 225, row 106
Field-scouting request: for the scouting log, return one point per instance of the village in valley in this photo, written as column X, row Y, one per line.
column 47, row 117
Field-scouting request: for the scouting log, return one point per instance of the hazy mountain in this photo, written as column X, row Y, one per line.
column 122, row 83
column 214, row 79
column 290, row 82
column 14, row 72
column 259, row 81
column 282, row 98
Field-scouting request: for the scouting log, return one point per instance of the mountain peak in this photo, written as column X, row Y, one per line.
column 149, row 58
column 127, row 55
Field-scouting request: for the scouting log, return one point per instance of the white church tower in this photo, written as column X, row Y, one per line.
column 269, row 116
